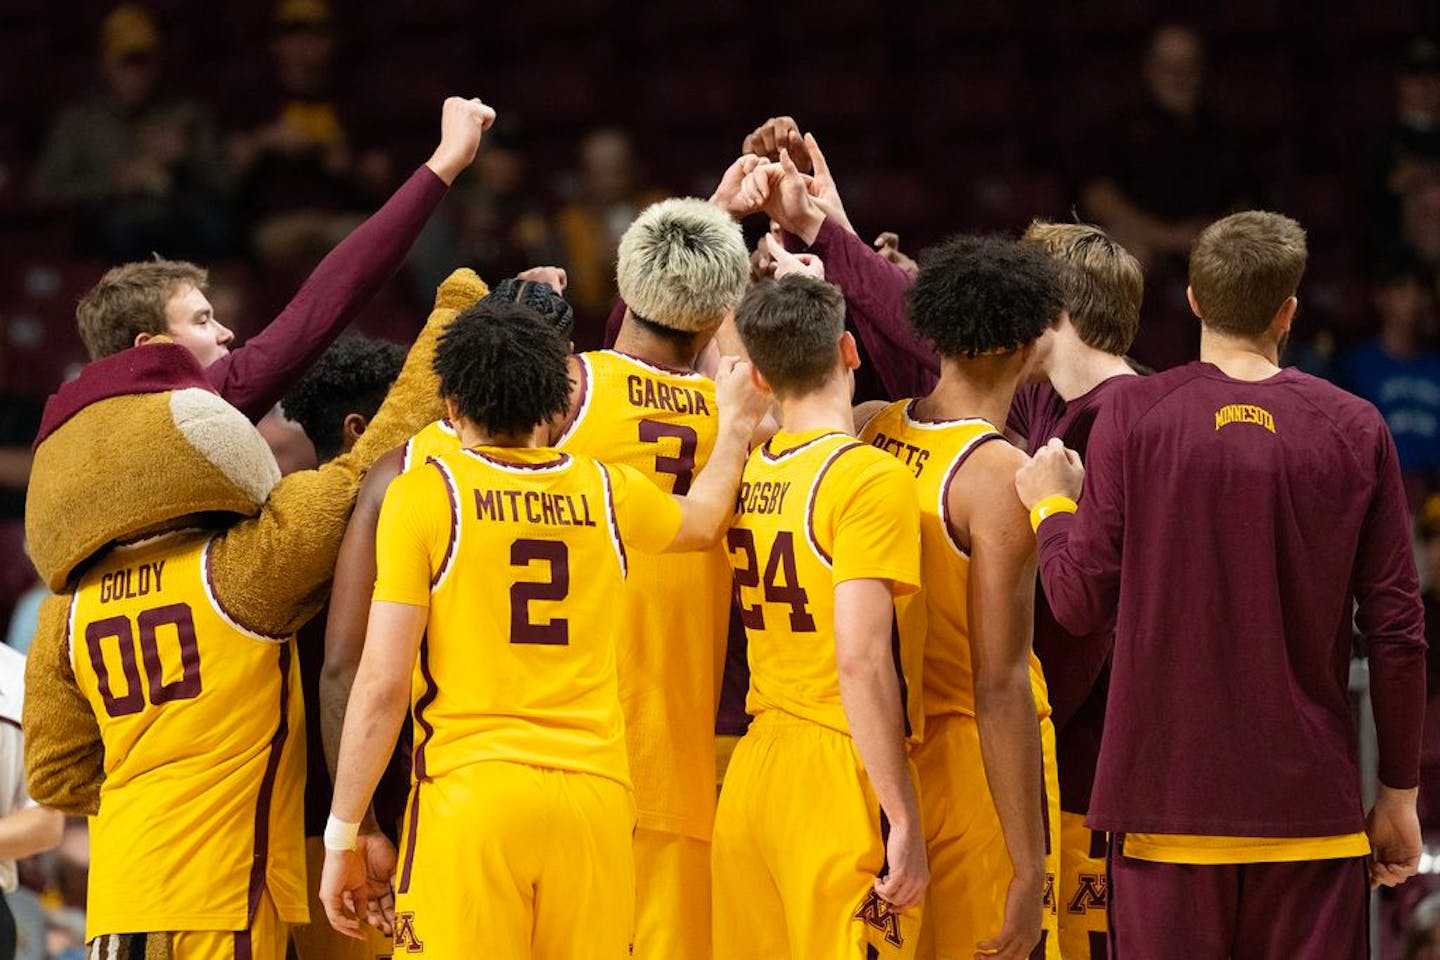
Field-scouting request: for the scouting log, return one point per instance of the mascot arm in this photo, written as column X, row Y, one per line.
column 64, row 755
column 271, row 573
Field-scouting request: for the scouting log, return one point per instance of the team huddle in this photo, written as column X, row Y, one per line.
column 1001, row 704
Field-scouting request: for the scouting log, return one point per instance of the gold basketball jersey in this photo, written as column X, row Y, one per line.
column 673, row 615
column 934, row 451
column 816, row 509
column 518, row 554
column 203, row 727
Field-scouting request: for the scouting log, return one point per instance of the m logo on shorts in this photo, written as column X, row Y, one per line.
column 877, row 912
column 405, row 936
column 1090, row 895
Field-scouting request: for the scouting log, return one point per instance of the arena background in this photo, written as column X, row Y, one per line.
column 935, row 117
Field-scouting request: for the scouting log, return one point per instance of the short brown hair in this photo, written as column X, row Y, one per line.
column 791, row 328
column 1243, row 267
column 130, row 300
column 1101, row 282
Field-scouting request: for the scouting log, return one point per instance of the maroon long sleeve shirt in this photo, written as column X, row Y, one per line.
column 1231, row 528
column 1077, row 668
column 877, row 297
column 254, row 376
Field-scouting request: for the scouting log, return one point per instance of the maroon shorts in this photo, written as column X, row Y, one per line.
column 1308, row 910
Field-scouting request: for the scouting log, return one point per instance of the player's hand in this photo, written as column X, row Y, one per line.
column 908, row 874
column 728, row 195
column 462, row 122
column 770, row 137
column 742, row 405
column 1024, row 910
column 787, row 263
column 822, row 185
column 555, row 276
column 343, row 891
column 783, row 192
column 380, row 859
column 1394, row 830
column 888, row 246
column 1054, row 471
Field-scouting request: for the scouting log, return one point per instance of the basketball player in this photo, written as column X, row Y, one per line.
column 334, row 403
column 507, row 556
column 1082, row 361
column 682, row 269
column 818, row 848
column 1237, row 520
column 990, row 821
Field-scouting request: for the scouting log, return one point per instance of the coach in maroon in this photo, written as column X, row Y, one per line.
column 1236, row 520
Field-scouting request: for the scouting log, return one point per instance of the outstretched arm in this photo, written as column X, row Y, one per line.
column 257, row 374
column 272, row 573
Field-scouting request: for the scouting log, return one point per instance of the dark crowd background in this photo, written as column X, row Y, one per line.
column 251, row 136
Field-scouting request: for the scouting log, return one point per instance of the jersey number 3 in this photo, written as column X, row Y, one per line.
column 524, row 552
column 681, row 466
column 175, row 615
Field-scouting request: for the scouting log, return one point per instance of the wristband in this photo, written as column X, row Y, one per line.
column 1048, row 508
column 340, row 835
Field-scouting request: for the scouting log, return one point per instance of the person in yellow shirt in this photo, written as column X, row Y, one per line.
column 682, row 269
column 818, row 849
column 989, row 793
column 497, row 569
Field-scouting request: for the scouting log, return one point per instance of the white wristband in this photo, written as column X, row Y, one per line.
column 340, row 835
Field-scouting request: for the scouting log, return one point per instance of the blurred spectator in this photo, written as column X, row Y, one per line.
column 1399, row 370
column 304, row 172
column 143, row 169
column 1422, row 937
column 1420, row 221
column 493, row 220
column 589, row 229
column 1403, row 156
column 1133, row 186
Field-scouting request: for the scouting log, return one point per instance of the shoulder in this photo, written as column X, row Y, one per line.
column 1343, row 408
column 856, row 465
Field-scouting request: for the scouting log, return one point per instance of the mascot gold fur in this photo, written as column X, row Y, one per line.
column 162, row 692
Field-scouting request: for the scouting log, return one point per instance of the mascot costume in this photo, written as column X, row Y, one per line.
column 162, row 693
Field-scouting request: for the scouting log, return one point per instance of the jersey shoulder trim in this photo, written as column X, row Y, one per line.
column 810, row 532
column 232, row 621
column 452, row 546
column 561, row 461
column 659, row 368
column 943, row 507
column 925, row 423
column 586, row 395
column 613, row 522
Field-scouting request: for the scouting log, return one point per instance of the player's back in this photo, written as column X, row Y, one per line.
column 793, row 507
column 934, row 451
column 203, row 768
column 517, row 663
column 673, row 613
column 1246, row 507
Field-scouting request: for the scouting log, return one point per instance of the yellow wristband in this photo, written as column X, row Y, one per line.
column 1049, row 507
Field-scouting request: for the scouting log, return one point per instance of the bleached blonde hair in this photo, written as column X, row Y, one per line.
column 683, row 265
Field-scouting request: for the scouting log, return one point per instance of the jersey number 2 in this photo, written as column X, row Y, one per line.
column 523, row 553
column 782, row 562
column 682, row 466
column 175, row 615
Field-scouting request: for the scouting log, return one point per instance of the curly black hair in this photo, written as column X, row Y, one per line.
column 353, row 376
column 538, row 296
column 978, row 295
column 504, row 367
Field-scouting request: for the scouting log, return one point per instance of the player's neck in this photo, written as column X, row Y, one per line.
column 652, row 348
column 473, row 435
column 1240, row 357
column 829, row 408
column 980, row 388
column 1081, row 368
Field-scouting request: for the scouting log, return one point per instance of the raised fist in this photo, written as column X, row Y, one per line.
column 462, row 122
